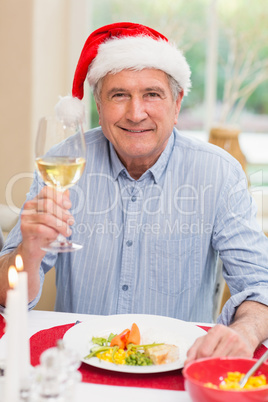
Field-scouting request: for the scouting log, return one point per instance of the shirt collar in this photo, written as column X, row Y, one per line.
column 116, row 164
column 156, row 170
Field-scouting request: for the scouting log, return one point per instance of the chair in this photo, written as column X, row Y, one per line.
column 218, row 290
column 48, row 296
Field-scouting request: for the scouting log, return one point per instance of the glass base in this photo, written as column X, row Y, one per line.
column 62, row 245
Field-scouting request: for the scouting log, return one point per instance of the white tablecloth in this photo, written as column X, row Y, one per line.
column 86, row 392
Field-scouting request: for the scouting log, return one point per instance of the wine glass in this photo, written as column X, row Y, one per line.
column 60, row 160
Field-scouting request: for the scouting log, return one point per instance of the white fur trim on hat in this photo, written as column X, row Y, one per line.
column 137, row 53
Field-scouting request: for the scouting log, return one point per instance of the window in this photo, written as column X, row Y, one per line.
column 240, row 57
column 242, row 53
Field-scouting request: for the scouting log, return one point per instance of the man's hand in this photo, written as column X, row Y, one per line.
column 219, row 341
column 241, row 338
column 43, row 218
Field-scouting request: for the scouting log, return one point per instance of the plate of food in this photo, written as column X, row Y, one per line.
column 133, row 343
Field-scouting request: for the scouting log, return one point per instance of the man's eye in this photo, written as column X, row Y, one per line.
column 119, row 95
column 153, row 95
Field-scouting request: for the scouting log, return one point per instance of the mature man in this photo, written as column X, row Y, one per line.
column 153, row 208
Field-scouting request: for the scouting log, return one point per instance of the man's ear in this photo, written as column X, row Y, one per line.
column 178, row 106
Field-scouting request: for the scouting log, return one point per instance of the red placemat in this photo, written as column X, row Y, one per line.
column 2, row 326
column 45, row 339
column 172, row 380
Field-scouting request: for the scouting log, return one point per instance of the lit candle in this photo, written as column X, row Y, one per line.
column 24, row 352
column 11, row 387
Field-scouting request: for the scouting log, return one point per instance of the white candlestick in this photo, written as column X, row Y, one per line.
column 11, row 387
column 24, row 350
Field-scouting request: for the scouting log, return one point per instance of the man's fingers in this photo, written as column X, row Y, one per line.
column 201, row 348
column 47, row 215
column 219, row 341
column 43, row 213
column 58, row 197
column 47, row 205
column 45, row 225
column 230, row 342
column 51, row 202
column 191, row 353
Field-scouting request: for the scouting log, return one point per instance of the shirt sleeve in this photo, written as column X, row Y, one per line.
column 1, row 239
column 14, row 239
column 241, row 244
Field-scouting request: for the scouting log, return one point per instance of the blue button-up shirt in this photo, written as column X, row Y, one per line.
column 151, row 245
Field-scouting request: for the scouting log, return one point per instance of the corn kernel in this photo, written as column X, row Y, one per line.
column 118, row 357
column 231, row 382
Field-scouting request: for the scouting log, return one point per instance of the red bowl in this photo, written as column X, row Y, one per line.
column 215, row 370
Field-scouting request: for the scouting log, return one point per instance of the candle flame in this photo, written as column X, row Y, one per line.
column 12, row 276
column 19, row 263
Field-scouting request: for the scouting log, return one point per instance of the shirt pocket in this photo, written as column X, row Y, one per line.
column 174, row 265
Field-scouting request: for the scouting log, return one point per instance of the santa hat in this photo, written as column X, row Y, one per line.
column 120, row 46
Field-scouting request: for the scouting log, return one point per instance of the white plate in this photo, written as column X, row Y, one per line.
column 153, row 328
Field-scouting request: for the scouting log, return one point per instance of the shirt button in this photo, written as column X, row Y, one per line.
column 129, row 243
column 125, row 287
column 133, row 198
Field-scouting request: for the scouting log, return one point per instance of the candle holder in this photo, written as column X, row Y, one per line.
column 54, row 380
column 26, row 387
column 24, row 393
column 2, row 379
column 57, row 375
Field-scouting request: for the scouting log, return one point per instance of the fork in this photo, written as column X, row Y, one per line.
column 262, row 359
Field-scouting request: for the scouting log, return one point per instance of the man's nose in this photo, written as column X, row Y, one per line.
column 136, row 110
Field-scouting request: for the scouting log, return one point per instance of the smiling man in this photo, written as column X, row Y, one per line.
column 153, row 210
column 137, row 112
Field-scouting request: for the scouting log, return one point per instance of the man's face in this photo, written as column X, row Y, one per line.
column 137, row 113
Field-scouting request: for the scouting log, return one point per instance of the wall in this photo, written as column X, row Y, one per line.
column 15, row 100
column 40, row 42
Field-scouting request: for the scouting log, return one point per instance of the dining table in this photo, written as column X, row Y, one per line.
column 44, row 327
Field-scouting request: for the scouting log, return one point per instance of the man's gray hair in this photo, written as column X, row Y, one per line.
column 173, row 84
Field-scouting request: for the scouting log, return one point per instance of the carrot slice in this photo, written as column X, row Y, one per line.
column 134, row 335
column 121, row 339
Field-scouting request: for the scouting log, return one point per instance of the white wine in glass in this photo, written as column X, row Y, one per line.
column 60, row 160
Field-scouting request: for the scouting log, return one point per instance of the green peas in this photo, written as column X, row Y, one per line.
column 138, row 359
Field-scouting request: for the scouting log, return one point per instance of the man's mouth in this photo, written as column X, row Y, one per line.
column 135, row 131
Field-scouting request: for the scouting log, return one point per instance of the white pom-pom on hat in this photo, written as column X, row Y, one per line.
column 70, row 110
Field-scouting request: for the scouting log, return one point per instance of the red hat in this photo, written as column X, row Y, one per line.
column 126, row 45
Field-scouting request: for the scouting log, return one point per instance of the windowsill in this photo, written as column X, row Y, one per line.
column 253, row 145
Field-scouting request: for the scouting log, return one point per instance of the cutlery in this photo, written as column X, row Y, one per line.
column 258, row 363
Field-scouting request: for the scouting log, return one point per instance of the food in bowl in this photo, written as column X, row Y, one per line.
column 214, row 370
column 232, row 382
